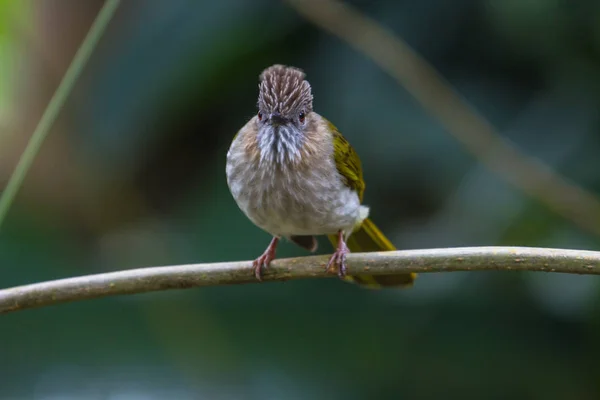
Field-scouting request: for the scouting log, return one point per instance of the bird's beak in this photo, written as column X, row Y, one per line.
column 276, row 119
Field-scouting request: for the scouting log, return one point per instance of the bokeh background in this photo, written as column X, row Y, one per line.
column 132, row 174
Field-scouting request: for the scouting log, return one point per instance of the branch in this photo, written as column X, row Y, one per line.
column 56, row 103
column 460, row 119
column 392, row 262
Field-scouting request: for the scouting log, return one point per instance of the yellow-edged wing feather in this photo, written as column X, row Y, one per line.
column 366, row 237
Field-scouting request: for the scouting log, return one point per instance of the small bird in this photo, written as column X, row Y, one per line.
column 295, row 176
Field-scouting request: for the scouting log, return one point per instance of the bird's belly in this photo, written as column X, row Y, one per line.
column 286, row 214
column 298, row 205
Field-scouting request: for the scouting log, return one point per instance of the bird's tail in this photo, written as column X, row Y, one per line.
column 369, row 238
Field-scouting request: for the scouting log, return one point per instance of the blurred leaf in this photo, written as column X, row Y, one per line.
column 14, row 23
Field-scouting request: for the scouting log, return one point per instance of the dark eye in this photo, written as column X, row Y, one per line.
column 301, row 118
column 260, row 116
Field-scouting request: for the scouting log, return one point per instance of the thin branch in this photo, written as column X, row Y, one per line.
column 467, row 126
column 226, row 273
column 54, row 106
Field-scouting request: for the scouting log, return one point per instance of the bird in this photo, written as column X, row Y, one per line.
column 295, row 176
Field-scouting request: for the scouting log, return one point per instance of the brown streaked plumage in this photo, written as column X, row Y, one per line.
column 284, row 90
column 294, row 176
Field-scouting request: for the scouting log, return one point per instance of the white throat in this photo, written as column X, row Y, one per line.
column 279, row 144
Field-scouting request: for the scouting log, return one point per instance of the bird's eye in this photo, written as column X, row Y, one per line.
column 301, row 117
column 260, row 116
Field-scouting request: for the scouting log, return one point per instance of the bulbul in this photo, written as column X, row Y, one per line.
column 295, row 176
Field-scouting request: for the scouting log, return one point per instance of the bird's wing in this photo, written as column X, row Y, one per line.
column 347, row 162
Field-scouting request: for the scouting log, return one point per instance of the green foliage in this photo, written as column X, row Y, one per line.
column 14, row 21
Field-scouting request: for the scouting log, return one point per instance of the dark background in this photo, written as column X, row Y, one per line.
column 132, row 174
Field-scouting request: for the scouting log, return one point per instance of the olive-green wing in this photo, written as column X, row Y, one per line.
column 366, row 237
column 347, row 162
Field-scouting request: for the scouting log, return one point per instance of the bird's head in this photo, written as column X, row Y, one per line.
column 284, row 111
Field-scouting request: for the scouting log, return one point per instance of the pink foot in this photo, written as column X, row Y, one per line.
column 338, row 259
column 263, row 261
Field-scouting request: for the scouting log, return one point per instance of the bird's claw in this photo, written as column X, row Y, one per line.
column 265, row 259
column 338, row 259
column 261, row 263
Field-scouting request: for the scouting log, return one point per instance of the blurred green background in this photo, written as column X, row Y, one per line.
column 132, row 175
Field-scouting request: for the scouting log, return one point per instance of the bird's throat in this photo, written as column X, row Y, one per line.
column 281, row 144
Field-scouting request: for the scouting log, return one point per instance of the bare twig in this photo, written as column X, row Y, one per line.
column 393, row 262
column 470, row 128
column 56, row 102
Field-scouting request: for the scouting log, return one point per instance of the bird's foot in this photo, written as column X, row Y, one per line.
column 338, row 259
column 263, row 261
